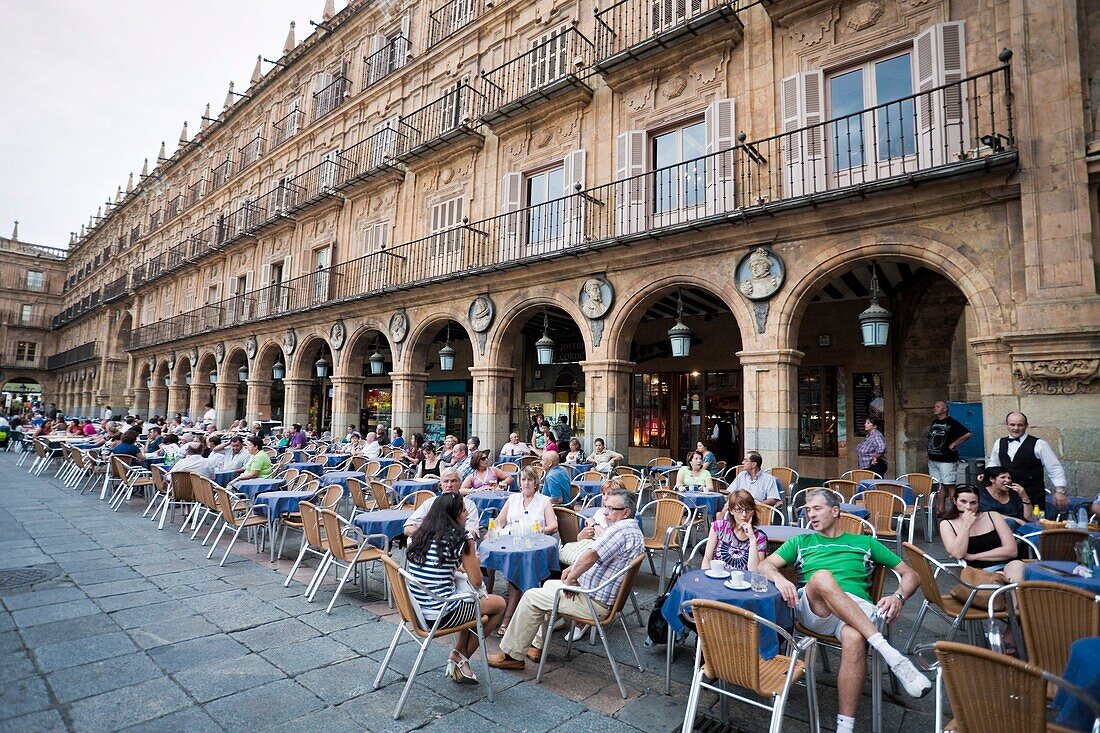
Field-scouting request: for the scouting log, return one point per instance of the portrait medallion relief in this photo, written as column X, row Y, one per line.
column 250, row 347
column 219, row 352
column 399, row 326
column 338, row 335
column 481, row 313
column 759, row 274
column 290, row 341
column 596, row 297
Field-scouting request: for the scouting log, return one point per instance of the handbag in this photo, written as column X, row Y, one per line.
column 977, row 576
column 880, row 466
column 463, row 585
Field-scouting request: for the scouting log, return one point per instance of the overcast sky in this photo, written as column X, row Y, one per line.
column 89, row 88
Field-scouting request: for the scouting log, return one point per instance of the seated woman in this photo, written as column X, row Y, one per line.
column 431, row 464
column 981, row 538
column 710, row 461
column 1005, row 497
column 734, row 538
column 694, row 477
column 575, row 454
column 75, row 428
column 439, row 549
column 485, row 475
column 520, row 513
column 543, row 440
column 603, row 459
column 449, row 443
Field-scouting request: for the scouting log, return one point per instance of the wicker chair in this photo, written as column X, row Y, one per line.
column 381, row 494
column 1052, row 617
column 993, row 692
column 342, row 554
column 886, row 510
column 922, row 485
column 569, row 524
column 852, row 524
column 237, row 514
column 361, row 498
column 844, row 487
column 392, row 473
column 509, row 467
column 729, row 652
column 671, row 523
column 768, row 514
column 312, row 544
column 417, row 498
column 1060, row 544
column 787, row 478
column 327, row 498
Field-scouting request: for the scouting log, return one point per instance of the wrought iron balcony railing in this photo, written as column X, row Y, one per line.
column 249, row 153
column 547, row 71
column 450, row 17
column 331, row 96
column 173, row 208
column 386, row 60
column 286, row 127
column 18, row 319
column 454, row 115
column 155, row 220
column 116, row 289
column 629, row 30
column 75, row 355
column 221, row 173
column 194, row 193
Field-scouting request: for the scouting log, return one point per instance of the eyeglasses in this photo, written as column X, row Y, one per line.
column 615, row 508
column 742, row 510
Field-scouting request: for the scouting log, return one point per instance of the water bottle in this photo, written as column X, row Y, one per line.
column 492, row 533
column 1082, row 518
column 526, row 522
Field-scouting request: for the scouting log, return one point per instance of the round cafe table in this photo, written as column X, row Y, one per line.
column 312, row 467
column 390, row 522
column 341, row 477
column 769, row 605
column 780, row 533
column 712, row 501
column 489, row 499
column 276, row 503
column 588, row 489
column 407, row 487
column 1054, row 572
column 222, row 478
column 525, row 565
column 253, row 486
column 906, row 489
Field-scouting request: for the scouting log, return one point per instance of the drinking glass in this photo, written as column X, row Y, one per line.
column 759, row 583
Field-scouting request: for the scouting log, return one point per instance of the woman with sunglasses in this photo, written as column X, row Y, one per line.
column 734, row 538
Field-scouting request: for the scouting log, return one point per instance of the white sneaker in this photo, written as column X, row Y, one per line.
column 912, row 680
column 578, row 633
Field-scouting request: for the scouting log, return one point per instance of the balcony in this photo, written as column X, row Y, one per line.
column 454, row 116
column 850, row 157
column 249, row 153
column 15, row 319
column 385, row 61
column 331, row 96
column 546, row 72
column 155, row 220
column 75, row 355
column 286, row 127
column 632, row 30
column 116, row 289
column 175, row 205
column 221, row 173
column 452, row 16
column 194, row 193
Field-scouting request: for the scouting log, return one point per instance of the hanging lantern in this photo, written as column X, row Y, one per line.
column 167, row 381
column 213, row 376
column 680, row 335
column 447, row 354
column 377, row 361
column 279, row 370
column 149, row 383
column 544, row 347
column 187, row 379
column 874, row 323
column 242, row 373
column 321, row 366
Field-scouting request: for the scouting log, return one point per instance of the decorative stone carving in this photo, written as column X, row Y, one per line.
column 759, row 274
column 337, row 335
column 813, row 31
column 596, row 297
column 193, row 356
column 760, row 311
column 1057, row 376
column 481, row 313
column 865, row 14
column 676, row 86
column 399, row 326
column 250, row 347
column 219, row 352
column 290, row 341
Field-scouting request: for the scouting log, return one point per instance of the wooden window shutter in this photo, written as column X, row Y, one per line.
column 721, row 131
column 630, row 195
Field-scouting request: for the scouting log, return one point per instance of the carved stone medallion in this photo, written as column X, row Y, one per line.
column 250, row 347
column 399, row 326
column 338, row 335
column 219, row 352
column 290, row 341
column 596, row 297
column 759, row 274
column 481, row 313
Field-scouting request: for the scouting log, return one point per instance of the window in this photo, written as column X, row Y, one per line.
column 26, row 351
column 27, row 313
column 376, row 236
column 892, row 127
column 651, row 409
column 322, row 259
column 240, row 287
column 284, row 195
column 680, row 179
column 544, row 222
column 287, row 126
column 817, row 412
column 211, row 294
column 36, row 279
column 549, row 58
column 445, row 246
column 665, row 14
column 326, row 177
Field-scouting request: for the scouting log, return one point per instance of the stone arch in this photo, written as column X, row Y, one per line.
column 358, row 347
column 267, row 354
column 182, row 368
column 207, row 363
column 125, row 326
column 235, row 358
column 515, row 311
column 422, row 333
column 301, row 365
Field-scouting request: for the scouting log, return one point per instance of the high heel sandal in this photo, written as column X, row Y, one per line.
column 461, row 677
column 452, row 666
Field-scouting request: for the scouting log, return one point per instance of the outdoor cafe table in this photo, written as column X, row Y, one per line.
column 222, row 478
column 780, row 533
column 525, row 564
column 390, row 522
column 254, row 486
column 769, row 605
column 588, row 489
column 489, row 499
column 1083, row 670
column 276, row 503
column 577, row 469
column 336, row 459
column 407, row 487
column 312, row 467
column 870, row 484
column 1043, row 571
column 712, row 501
column 1036, row 528
column 341, row 478
column 855, row 509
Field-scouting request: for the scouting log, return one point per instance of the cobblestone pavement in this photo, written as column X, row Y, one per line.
column 125, row 627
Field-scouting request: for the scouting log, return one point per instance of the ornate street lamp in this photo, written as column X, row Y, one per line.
column 447, row 353
column 874, row 323
column 680, row 335
column 544, row 347
column 278, row 371
column 377, row 361
column 242, row 373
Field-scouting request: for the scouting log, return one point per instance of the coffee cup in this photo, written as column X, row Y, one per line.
column 717, row 567
column 737, row 577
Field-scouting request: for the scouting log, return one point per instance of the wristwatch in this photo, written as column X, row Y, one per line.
column 1059, row 490
column 900, row 597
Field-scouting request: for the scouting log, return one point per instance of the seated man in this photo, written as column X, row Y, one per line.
column 234, row 456
column 514, row 448
column 449, row 481
column 763, row 486
column 371, row 449
column 555, row 482
column 836, row 567
column 193, row 461
column 616, row 548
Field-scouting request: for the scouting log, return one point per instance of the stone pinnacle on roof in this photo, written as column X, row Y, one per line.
column 183, row 134
column 289, row 45
column 257, row 73
column 205, row 118
column 72, row 238
column 145, row 169
column 118, row 195
column 82, row 231
column 330, row 10
column 228, row 97
column 98, row 214
column 130, row 183
column 15, row 232
column 161, row 157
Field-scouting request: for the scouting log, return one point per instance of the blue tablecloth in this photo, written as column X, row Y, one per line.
column 1037, row 571
column 222, row 478
column 587, row 513
column 407, row 487
column 335, row 460
column 341, row 477
column 253, row 486
column 524, row 568
column 390, row 522
column 299, row 454
column 780, row 533
column 712, row 500
column 907, row 490
column 1083, row 670
column 317, row 468
column 696, row 584
column 577, row 469
column 665, row 469
column 275, row 503
column 1033, row 527
column 588, row 489
column 489, row 499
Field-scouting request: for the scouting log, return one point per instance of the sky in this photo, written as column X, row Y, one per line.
column 89, row 88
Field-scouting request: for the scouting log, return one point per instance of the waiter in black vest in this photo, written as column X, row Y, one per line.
column 1027, row 458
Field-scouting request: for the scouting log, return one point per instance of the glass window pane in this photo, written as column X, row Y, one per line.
column 554, row 184
column 846, row 133
column 693, row 174
column 665, row 153
column 895, row 123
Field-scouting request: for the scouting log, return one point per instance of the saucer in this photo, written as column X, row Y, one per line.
column 722, row 574
column 745, row 585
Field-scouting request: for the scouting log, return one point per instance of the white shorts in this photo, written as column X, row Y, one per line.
column 943, row 473
column 828, row 625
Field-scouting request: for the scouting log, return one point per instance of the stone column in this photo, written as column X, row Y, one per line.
column 607, row 403
column 492, row 406
column 347, row 398
column 141, row 401
column 770, row 398
column 225, row 399
column 296, row 402
column 200, row 395
column 408, row 400
column 178, row 398
column 158, row 399
column 258, row 402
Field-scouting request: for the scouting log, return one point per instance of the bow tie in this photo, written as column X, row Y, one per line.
column 1013, row 440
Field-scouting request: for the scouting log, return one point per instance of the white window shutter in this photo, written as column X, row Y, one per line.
column 511, row 201
column 803, row 104
column 942, row 124
column 261, row 299
column 721, row 131
column 284, row 293
column 574, row 214
column 630, row 195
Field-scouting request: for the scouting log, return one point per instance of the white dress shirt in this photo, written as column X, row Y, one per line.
column 1043, row 452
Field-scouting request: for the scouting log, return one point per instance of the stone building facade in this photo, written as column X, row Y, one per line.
column 417, row 177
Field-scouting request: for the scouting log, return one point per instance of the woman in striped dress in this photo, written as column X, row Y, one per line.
column 440, row 549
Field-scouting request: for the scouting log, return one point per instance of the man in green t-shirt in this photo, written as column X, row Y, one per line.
column 837, row 567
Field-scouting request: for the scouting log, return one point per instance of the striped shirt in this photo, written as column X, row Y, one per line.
column 437, row 573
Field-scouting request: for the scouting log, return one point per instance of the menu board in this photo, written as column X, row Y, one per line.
column 867, row 399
